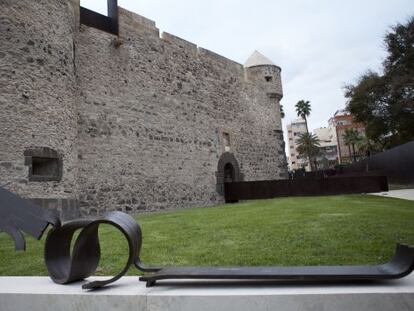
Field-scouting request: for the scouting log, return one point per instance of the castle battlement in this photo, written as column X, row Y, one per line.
column 133, row 21
column 131, row 24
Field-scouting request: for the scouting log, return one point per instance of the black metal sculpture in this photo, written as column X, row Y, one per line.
column 400, row 266
column 18, row 215
column 108, row 23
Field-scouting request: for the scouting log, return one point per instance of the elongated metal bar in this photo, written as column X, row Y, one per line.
column 105, row 23
column 400, row 266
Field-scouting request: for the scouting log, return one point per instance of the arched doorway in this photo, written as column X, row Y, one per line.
column 227, row 171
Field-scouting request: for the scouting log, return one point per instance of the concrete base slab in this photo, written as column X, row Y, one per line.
column 405, row 194
column 41, row 294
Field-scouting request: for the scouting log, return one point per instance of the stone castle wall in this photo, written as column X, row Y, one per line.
column 139, row 120
column 37, row 93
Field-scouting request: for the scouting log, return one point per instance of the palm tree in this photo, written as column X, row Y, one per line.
column 367, row 146
column 303, row 109
column 352, row 138
column 309, row 144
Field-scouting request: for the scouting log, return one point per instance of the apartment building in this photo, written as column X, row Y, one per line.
column 328, row 151
column 341, row 121
column 294, row 130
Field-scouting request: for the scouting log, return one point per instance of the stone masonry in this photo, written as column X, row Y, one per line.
column 132, row 123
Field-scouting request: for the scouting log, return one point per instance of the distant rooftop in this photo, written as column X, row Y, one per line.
column 298, row 121
column 258, row 59
column 342, row 112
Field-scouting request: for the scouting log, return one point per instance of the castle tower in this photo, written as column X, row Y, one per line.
column 38, row 100
column 266, row 76
column 262, row 71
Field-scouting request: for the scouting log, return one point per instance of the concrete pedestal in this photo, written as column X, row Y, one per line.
column 41, row 294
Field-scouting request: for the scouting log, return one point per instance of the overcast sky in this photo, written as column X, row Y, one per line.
column 321, row 45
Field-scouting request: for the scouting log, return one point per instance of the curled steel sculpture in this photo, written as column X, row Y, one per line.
column 68, row 264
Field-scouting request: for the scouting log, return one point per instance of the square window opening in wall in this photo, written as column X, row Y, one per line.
column 45, row 167
column 269, row 78
column 45, row 164
column 226, row 142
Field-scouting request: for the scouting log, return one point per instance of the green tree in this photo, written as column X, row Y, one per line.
column 351, row 139
column 368, row 147
column 308, row 145
column 303, row 109
column 385, row 103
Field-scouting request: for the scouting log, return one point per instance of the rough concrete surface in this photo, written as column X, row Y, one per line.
column 405, row 194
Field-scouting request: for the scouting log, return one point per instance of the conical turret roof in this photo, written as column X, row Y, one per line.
column 258, row 59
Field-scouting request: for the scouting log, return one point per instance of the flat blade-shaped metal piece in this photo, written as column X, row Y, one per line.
column 19, row 215
column 400, row 266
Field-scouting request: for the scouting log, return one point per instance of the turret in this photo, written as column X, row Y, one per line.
column 262, row 71
column 266, row 76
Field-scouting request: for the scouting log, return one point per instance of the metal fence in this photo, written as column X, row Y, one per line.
column 257, row 190
column 397, row 164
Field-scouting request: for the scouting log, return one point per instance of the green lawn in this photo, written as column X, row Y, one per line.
column 354, row 229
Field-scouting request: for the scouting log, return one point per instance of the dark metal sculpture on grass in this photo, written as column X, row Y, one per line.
column 66, row 265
